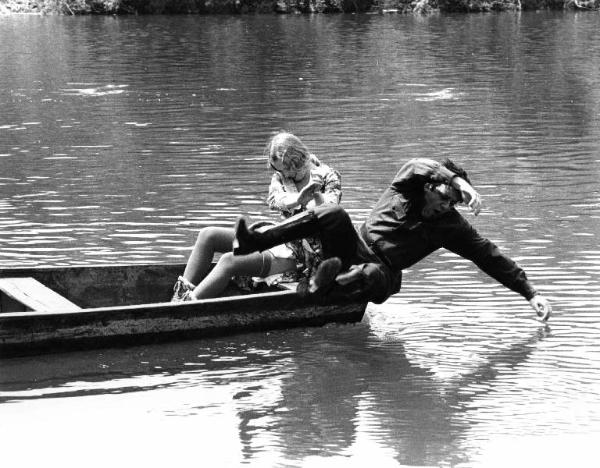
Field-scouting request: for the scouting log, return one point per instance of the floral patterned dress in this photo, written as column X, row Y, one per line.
column 307, row 252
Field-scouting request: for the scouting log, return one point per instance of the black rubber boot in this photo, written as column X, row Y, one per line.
column 248, row 240
column 324, row 278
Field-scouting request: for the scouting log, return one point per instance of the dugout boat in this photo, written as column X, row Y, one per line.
column 54, row 309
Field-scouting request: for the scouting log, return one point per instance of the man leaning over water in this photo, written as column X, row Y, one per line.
column 414, row 217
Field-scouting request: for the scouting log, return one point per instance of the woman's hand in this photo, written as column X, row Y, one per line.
column 307, row 193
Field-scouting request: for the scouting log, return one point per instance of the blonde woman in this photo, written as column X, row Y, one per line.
column 299, row 182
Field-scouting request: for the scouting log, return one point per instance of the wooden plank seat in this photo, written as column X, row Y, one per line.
column 21, row 294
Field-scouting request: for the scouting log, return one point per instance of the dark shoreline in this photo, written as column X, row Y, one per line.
column 143, row 7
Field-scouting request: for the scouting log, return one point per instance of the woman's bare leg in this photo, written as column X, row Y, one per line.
column 209, row 241
column 254, row 264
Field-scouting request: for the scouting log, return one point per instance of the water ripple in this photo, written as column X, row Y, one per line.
column 118, row 151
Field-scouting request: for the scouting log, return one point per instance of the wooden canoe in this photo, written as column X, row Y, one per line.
column 52, row 309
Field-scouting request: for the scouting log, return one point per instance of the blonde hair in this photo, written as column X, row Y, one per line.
column 289, row 149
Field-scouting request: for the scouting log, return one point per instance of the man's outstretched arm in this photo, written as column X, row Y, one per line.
column 485, row 254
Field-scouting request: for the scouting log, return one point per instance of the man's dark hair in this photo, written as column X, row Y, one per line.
column 459, row 171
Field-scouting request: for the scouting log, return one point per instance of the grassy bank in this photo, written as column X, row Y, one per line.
column 121, row 7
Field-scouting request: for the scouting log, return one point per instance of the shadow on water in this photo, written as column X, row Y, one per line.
column 314, row 394
column 340, row 386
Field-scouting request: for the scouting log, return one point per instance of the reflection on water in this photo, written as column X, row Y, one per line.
column 301, row 396
column 118, row 150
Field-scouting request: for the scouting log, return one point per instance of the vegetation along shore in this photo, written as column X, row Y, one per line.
column 128, row 7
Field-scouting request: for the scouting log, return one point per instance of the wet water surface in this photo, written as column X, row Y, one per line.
column 121, row 137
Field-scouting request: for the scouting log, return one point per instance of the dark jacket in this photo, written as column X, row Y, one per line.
column 398, row 233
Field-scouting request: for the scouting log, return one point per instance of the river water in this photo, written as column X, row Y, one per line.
column 121, row 137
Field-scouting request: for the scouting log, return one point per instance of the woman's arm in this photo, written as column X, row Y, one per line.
column 281, row 200
column 332, row 187
column 330, row 184
column 278, row 198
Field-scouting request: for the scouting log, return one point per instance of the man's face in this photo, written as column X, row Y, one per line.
column 439, row 199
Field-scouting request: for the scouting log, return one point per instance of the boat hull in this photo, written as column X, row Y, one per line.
column 127, row 323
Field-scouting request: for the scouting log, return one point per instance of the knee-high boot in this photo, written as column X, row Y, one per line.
column 248, row 240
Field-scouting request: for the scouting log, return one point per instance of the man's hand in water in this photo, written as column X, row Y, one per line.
column 541, row 306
